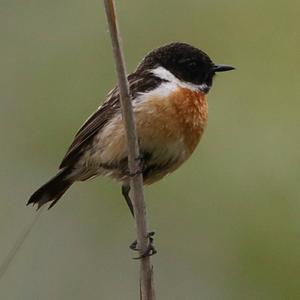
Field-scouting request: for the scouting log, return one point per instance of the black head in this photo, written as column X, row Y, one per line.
column 186, row 62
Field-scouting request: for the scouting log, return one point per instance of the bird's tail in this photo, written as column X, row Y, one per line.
column 53, row 189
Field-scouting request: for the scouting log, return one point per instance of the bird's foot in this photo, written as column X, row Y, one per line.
column 150, row 249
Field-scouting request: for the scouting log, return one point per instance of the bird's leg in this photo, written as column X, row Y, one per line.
column 125, row 193
column 126, row 186
column 133, row 246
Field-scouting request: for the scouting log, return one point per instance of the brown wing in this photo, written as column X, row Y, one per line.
column 92, row 125
column 138, row 83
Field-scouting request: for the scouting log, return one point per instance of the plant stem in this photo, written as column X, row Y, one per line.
column 146, row 269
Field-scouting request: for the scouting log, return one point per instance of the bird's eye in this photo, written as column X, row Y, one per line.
column 192, row 64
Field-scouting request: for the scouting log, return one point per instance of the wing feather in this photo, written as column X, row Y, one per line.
column 138, row 83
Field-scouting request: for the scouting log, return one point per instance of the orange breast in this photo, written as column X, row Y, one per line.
column 181, row 115
column 191, row 114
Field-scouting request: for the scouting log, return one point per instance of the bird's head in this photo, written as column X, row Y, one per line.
column 185, row 62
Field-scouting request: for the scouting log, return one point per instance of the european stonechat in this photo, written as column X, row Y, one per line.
column 168, row 91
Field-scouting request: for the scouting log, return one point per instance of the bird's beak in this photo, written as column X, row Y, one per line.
column 222, row 68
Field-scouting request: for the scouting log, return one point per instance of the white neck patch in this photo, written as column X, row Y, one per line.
column 163, row 73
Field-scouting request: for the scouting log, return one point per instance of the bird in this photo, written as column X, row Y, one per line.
column 168, row 93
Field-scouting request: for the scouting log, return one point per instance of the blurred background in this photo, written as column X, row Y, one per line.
column 227, row 223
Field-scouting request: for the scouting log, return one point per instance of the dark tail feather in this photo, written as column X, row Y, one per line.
column 52, row 190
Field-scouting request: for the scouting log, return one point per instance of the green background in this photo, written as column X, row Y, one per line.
column 227, row 223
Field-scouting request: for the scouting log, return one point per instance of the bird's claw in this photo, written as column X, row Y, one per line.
column 149, row 252
column 150, row 249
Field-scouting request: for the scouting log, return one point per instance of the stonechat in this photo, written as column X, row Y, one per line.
column 169, row 97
